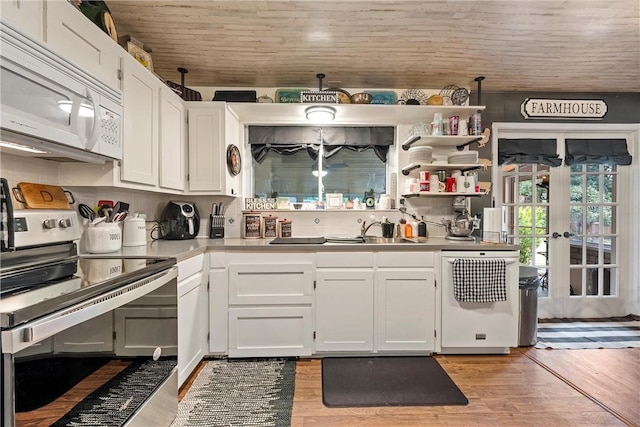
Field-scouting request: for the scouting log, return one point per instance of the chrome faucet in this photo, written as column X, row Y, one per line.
column 365, row 227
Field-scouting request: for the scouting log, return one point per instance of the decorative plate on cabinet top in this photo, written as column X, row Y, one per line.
column 344, row 97
column 388, row 97
column 413, row 97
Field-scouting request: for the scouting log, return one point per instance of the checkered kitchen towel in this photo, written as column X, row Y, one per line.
column 479, row 280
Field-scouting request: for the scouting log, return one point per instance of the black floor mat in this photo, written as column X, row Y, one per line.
column 387, row 381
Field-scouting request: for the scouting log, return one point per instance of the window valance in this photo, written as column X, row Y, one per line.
column 528, row 151
column 600, row 151
column 291, row 139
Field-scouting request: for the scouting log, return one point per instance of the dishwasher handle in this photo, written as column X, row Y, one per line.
column 506, row 261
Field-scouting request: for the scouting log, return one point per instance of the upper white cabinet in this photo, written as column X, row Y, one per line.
column 25, row 15
column 173, row 140
column 212, row 128
column 140, row 139
column 80, row 41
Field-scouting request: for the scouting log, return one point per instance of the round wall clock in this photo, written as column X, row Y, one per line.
column 233, row 160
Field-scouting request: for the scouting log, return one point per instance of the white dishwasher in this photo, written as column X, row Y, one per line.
column 479, row 327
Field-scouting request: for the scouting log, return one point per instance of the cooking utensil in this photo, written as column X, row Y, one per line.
column 42, row 196
column 119, row 216
column 105, row 202
column 86, row 212
column 121, row 207
column 105, row 211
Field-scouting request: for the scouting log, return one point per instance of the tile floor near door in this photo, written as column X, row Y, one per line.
column 529, row 387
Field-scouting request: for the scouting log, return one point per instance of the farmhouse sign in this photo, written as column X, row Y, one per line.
column 537, row 108
column 319, row 97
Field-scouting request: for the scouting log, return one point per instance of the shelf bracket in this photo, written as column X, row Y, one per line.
column 407, row 171
column 410, row 142
column 461, row 146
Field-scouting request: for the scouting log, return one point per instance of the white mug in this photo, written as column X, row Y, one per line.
column 461, row 182
column 463, row 130
column 434, row 184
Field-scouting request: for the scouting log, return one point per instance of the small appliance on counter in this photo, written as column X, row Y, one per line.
column 179, row 221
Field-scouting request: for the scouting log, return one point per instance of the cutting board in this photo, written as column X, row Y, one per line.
column 42, row 196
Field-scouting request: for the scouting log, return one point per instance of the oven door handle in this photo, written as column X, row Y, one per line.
column 22, row 337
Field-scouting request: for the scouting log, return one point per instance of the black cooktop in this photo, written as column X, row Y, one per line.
column 89, row 277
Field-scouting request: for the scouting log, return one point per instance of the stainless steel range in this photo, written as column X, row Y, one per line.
column 84, row 340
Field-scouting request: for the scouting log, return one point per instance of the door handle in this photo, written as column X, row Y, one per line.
column 567, row 234
column 555, row 235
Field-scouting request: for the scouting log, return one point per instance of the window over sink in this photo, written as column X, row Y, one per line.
column 304, row 163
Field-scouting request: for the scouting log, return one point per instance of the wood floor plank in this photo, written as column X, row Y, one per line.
column 502, row 390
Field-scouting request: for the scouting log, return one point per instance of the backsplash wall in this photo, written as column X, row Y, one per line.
column 304, row 223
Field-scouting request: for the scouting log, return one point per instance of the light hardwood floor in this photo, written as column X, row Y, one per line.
column 528, row 387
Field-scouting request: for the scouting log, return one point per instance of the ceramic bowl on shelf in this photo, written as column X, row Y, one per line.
column 361, row 98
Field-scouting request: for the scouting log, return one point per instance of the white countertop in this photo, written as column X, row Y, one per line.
column 183, row 249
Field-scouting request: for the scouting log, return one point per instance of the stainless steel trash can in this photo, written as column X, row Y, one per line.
column 529, row 281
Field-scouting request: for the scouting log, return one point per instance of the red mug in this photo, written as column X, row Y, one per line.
column 450, row 185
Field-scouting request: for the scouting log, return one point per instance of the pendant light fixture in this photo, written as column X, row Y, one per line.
column 320, row 113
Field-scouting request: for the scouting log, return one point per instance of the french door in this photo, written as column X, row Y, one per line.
column 570, row 223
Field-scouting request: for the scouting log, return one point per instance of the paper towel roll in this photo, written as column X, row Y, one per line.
column 492, row 224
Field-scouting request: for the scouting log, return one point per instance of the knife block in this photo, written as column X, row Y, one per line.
column 216, row 227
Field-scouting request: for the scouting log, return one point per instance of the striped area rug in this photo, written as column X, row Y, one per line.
column 240, row 393
column 614, row 332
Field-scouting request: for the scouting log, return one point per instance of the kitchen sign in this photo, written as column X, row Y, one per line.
column 540, row 108
column 319, row 97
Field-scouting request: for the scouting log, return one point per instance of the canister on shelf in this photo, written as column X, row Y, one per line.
column 252, row 225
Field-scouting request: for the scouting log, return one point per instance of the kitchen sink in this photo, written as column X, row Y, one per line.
column 376, row 239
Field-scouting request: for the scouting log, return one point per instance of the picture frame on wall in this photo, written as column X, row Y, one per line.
column 141, row 55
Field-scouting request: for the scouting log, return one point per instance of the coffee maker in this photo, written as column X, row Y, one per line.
column 179, row 221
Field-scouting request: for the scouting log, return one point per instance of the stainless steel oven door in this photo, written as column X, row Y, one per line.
column 111, row 345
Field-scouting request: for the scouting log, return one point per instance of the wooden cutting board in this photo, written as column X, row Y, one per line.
column 41, row 196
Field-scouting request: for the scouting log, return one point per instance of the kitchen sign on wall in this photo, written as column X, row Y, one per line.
column 319, row 97
column 541, row 108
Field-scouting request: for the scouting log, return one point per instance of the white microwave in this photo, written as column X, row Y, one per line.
column 54, row 108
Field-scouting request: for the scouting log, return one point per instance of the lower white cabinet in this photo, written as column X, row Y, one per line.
column 406, row 303
column 270, row 304
column 344, row 310
column 270, row 331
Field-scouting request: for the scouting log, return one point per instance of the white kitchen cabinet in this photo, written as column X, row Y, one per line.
column 270, row 304
column 406, row 306
column 77, row 39
column 140, row 137
column 406, row 301
column 27, row 16
column 218, row 303
column 212, row 128
column 344, row 310
column 151, row 321
column 193, row 318
column 173, row 140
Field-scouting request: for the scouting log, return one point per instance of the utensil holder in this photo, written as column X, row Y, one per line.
column 216, row 228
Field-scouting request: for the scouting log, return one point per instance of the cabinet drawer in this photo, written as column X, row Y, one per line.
column 270, row 284
column 345, row 259
column 405, row 259
column 270, row 331
column 190, row 266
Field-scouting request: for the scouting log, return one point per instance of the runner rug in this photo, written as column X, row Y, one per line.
column 612, row 332
column 387, row 381
column 240, row 393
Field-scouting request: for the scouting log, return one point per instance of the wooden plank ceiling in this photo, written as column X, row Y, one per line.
column 538, row 45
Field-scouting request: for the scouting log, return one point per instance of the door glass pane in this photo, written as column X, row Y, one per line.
column 610, row 281
column 610, row 255
column 576, row 248
column 577, row 184
column 593, row 189
column 593, row 167
column 525, row 190
column 593, row 251
column 575, row 282
column 593, row 219
column 575, row 225
column 592, row 281
column 576, row 168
